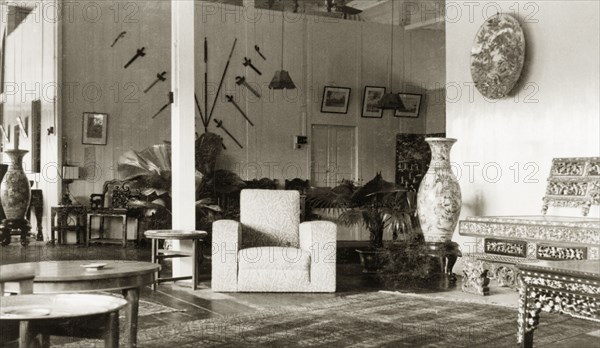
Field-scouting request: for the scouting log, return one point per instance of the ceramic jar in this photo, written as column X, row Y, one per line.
column 439, row 198
column 15, row 192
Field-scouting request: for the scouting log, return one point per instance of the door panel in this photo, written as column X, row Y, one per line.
column 333, row 154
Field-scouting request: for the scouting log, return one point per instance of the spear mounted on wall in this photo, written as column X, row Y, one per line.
column 206, row 84
column 221, row 83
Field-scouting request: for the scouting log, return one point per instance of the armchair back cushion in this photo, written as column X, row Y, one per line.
column 270, row 218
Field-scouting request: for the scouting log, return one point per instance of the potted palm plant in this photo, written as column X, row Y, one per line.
column 379, row 206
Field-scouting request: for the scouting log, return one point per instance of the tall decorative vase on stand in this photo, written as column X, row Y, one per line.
column 15, row 195
column 438, row 204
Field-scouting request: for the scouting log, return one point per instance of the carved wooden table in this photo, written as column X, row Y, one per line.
column 565, row 287
column 49, row 314
column 71, row 277
column 159, row 254
column 502, row 242
column 59, row 218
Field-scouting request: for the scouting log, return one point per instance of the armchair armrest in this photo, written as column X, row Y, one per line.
column 226, row 239
column 320, row 239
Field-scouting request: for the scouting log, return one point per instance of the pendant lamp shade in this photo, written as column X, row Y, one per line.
column 282, row 78
column 390, row 101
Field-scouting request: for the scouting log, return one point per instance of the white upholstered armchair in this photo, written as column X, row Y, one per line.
column 269, row 250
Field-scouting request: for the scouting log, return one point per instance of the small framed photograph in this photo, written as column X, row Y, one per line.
column 371, row 99
column 95, row 127
column 411, row 105
column 335, row 100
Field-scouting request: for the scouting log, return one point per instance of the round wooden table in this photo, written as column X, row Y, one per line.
column 196, row 254
column 71, row 277
column 38, row 314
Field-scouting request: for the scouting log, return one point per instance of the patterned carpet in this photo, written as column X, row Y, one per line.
column 364, row 320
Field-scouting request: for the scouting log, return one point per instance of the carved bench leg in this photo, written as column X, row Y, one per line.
column 475, row 277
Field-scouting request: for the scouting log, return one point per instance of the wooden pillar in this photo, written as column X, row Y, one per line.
column 182, row 122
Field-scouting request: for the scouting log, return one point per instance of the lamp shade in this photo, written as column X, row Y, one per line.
column 70, row 173
column 282, row 80
column 390, row 101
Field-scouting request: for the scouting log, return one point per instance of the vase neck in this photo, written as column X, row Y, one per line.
column 440, row 151
column 16, row 157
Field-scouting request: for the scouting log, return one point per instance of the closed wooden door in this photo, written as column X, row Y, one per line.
column 333, row 154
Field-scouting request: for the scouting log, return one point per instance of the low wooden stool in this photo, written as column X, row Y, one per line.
column 158, row 254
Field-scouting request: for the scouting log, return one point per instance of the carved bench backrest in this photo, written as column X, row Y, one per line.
column 115, row 194
column 574, row 183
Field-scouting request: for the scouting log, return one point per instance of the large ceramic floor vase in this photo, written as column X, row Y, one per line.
column 439, row 198
column 15, row 195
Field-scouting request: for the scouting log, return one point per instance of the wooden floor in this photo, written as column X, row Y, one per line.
column 204, row 303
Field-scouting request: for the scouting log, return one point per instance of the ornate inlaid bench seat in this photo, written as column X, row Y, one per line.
column 501, row 242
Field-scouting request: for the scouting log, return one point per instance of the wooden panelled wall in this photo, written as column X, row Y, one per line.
column 95, row 80
column 318, row 52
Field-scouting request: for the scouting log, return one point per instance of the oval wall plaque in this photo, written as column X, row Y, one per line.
column 497, row 56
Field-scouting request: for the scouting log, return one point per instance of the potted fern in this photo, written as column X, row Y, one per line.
column 379, row 206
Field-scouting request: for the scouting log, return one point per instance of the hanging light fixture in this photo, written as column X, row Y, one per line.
column 282, row 79
column 391, row 100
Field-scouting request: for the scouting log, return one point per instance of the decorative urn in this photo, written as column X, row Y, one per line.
column 439, row 198
column 15, row 192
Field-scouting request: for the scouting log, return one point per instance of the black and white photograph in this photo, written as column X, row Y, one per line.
column 95, row 128
column 371, row 98
column 335, row 100
column 299, row 173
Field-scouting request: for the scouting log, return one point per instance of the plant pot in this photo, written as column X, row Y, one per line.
column 15, row 192
column 371, row 260
column 439, row 198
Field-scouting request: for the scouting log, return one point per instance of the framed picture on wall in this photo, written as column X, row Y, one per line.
column 335, row 100
column 411, row 105
column 95, row 127
column 371, row 99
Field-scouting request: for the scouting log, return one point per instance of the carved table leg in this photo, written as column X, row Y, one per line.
column 475, row 279
column 52, row 226
column 4, row 235
column 528, row 316
column 38, row 217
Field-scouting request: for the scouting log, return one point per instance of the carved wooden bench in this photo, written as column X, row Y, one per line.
column 503, row 242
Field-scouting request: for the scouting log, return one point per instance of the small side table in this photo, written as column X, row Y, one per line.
column 103, row 213
column 158, row 254
column 48, row 314
column 60, row 215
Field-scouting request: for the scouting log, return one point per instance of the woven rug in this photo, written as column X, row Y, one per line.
column 364, row 320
